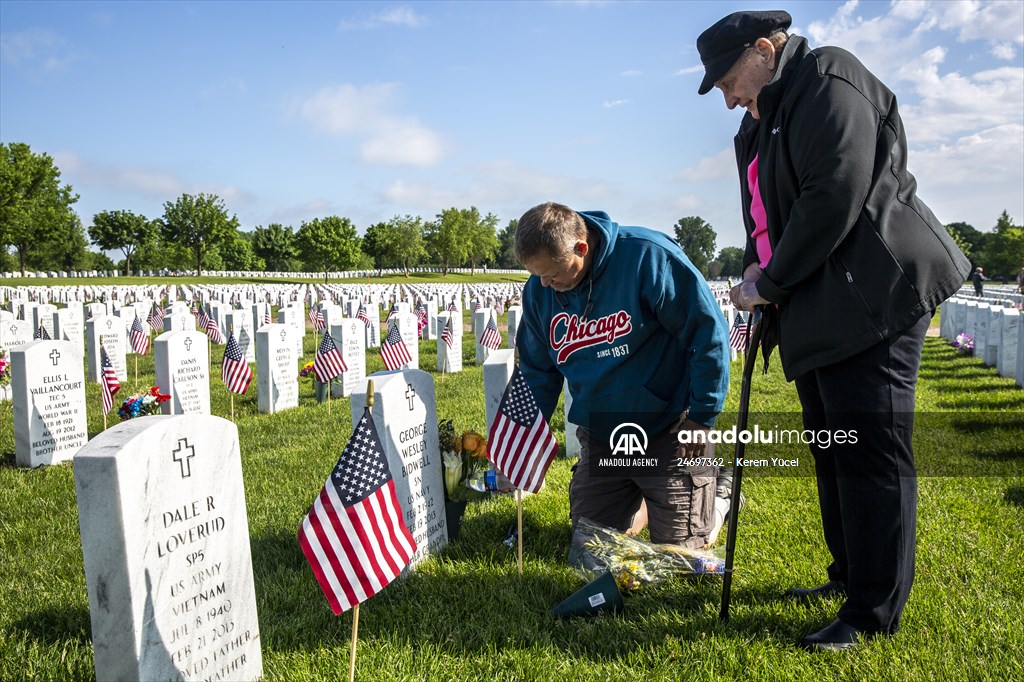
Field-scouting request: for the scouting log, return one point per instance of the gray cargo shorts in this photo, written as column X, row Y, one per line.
column 680, row 504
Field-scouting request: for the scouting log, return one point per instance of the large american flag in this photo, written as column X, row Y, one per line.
column 394, row 351
column 328, row 362
column 138, row 337
column 109, row 383
column 156, row 318
column 448, row 334
column 353, row 536
column 738, row 334
column 316, row 318
column 521, row 444
column 234, row 370
column 490, row 338
column 361, row 315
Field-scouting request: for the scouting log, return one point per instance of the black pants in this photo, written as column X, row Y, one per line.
column 868, row 491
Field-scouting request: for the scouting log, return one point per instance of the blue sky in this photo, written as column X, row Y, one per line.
column 291, row 111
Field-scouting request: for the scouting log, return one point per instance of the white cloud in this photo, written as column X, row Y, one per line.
column 152, row 183
column 611, row 103
column 397, row 16
column 699, row 68
column 36, row 49
column 504, row 187
column 711, row 168
column 368, row 112
column 630, row 73
column 966, row 180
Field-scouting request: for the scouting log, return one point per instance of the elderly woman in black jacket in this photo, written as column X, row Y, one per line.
column 853, row 265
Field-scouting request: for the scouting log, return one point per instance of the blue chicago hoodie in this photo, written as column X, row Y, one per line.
column 653, row 345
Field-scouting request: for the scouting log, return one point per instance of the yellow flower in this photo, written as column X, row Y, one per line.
column 474, row 444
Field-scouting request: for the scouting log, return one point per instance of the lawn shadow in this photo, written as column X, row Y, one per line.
column 55, row 624
column 450, row 601
column 1015, row 495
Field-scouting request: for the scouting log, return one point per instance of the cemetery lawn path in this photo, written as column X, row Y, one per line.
column 465, row 615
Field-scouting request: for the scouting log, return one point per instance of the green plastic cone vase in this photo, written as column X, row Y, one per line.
column 598, row 596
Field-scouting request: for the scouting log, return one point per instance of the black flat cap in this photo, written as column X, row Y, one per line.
column 722, row 44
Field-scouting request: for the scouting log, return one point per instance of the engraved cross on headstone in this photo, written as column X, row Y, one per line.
column 284, row 334
column 410, row 393
column 55, row 356
column 188, row 344
column 110, row 323
column 181, row 458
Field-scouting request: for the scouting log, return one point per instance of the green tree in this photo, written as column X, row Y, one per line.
column 445, row 238
column 198, row 223
column 1004, row 248
column 481, row 237
column 237, row 252
column 396, row 243
column 374, row 245
column 34, row 207
column 123, row 230
column 731, row 258
column 67, row 248
column 697, row 238
column 506, row 257
column 329, row 244
column 275, row 244
column 98, row 261
column 959, row 239
column 974, row 238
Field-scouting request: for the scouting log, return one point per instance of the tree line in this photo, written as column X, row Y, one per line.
column 197, row 232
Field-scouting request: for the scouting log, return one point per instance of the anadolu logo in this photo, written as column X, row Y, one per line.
column 628, row 439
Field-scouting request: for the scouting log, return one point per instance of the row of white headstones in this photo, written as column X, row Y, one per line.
column 997, row 332
column 161, row 499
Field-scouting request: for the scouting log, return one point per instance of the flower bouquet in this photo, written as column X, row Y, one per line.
column 465, row 462
column 632, row 561
column 142, row 404
column 5, row 368
column 964, row 343
column 307, row 371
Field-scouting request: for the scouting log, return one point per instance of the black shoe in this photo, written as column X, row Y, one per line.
column 837, row 636
column 830, row 589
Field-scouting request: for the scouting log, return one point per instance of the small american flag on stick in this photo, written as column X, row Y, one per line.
column 490, row 338
column 394, row 351
column 521, row 444
column 353, row 536
column 234, row 370
column 328, row 363
column 109, row 383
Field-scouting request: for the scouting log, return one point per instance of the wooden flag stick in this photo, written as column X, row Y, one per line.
column 519, row 509
column 352, row 648
column 104, row 421
column 328, row 396
column 136, row 368
column 355, row 610
column 231, row 397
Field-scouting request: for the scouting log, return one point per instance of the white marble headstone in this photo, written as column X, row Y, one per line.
column 1008, row 346
column 182, row 362
column 515, row 314
column 165, row 538
column 106, row 331
column 407, row 327
column 15, row 334
column 498, row 368
column 350, row 337
column 277, row 370
column 69, row 325
column 48, row 385
column 572, row 441
column 405, row 414
column 449, row 359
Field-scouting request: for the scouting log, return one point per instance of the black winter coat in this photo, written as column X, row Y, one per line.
column 856, row 256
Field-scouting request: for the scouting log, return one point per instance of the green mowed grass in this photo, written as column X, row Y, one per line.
column 466, row 615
